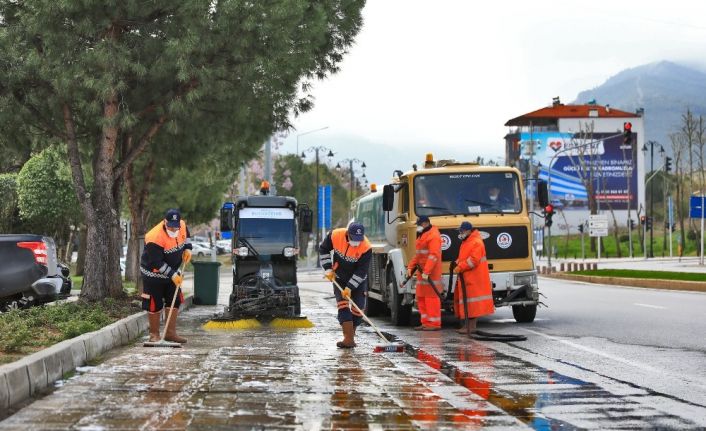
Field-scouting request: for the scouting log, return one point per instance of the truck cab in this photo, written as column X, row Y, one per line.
column 448, row 192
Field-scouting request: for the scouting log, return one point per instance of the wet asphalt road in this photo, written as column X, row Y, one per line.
column 593, row 360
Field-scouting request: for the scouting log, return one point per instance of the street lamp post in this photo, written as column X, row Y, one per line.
column 350, row 167
column 652, row 199
column 318, row 216
column 306, row 133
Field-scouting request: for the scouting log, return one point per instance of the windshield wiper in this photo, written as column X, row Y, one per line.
column 247, row 244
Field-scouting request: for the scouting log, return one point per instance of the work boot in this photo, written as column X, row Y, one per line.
column 348, row 336
column 171, row 334
column 153, row 318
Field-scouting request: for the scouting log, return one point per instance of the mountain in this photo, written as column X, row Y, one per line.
column 664, row 89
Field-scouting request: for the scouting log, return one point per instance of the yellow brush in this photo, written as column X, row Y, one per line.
column 232, row 324
column 301, row 322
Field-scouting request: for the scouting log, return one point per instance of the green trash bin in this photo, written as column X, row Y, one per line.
column 205, row 282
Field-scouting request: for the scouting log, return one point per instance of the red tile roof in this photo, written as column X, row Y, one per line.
column 550, row 114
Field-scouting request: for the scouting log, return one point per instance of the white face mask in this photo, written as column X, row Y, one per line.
column 420, row 228
column 462, row 236
column 493, row 197
column 172, row 234
column 354, row 243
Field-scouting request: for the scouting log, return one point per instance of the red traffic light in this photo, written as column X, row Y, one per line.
column 549, row 209
column 627, row 126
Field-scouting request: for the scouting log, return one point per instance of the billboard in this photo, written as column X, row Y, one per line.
column 569, row 162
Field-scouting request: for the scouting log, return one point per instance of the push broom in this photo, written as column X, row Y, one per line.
column 379, row 348
column 162, row 342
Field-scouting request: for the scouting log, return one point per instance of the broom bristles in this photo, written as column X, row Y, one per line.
column 232, row 324
column 291, row 323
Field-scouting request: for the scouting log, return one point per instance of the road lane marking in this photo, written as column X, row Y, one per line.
column 596, row 352
column 659, row 307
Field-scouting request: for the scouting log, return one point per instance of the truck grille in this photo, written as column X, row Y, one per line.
column 512, row 244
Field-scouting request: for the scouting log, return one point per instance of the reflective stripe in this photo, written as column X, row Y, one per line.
column 153, row 274
column 163, row 269
column 470, row 262
column 356, row 312
column 476, row 299
column 483, row 259
column 422, row 251
column 356, row 278
column 423, row 316
column 353, row 283
column 432, row 257
column 342, row 303
column 434, row 319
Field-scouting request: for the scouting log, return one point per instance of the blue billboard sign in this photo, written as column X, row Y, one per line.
column 573, row 161
column 696, row 204
column 324, row 207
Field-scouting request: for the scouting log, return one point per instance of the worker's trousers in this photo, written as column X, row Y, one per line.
column 429, row 304
column 347, row 312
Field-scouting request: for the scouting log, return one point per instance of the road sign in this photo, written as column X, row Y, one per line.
column 695, row 210
column 598, row 221
column 597, row 231
column 324, row 207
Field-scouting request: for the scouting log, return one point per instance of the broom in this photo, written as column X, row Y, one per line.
column 388, row 346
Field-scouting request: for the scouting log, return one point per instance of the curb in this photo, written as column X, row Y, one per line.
column 24, row 378
column 691, row 286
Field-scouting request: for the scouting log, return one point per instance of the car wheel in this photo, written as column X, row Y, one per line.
column 199, row 254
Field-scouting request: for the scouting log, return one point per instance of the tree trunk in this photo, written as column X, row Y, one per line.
column 81, row 255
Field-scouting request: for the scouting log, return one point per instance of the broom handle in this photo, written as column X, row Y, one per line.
column 350, row 301
column 171, row 308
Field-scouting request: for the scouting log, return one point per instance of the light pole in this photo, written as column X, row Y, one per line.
column 318, row 216
column 652, row 199
column 306, row 133
column 350, row 167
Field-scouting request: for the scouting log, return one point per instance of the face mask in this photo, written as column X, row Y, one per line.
column 493, row 197
column 354, row 243
column 172, row 234
column 462, row 236
column 420, row 228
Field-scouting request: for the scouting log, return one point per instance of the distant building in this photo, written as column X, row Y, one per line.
column 581, row 147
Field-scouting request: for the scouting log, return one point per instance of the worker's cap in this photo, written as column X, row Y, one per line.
column 356, row 232
column 422, row 219
column 465, row 226
column 172, row 218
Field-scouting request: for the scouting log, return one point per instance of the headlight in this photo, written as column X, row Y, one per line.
column 522, row 279
column 290, row 251
column 243, row 251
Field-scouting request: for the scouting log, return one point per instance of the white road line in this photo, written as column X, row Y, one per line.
column 659, row 307
column 597, row 352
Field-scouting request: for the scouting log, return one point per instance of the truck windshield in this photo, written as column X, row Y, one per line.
column 467, row 193
column 267, row 230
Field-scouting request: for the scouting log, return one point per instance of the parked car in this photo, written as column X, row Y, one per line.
column 200, row 249
column 224, row 246
column 30, row 271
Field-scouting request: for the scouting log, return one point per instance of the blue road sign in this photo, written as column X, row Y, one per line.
column 695, row 206
column 327, row 206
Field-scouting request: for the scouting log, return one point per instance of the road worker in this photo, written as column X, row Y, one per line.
column 345, row 256
column 427, row 263
column 472, row 267
column 165, row 252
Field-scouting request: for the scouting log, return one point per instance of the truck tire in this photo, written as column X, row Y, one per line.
column 399, row 314
column 374, row 308
column 524, row 313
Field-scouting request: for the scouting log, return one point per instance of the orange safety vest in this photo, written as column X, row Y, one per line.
column 346, row 257
column 173, row 248
column 428, row 257
column 472, row 265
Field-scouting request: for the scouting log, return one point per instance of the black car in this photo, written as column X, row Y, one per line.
column 30, row 271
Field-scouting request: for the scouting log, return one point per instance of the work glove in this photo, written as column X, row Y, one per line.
column 425, row 277
column 457, row 269
column 177, row 278
column 330, row 275
column 409, row 272
column 346, row 293
column 186, row 257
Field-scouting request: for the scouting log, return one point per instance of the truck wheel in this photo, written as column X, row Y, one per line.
column 399, row 314
column 524, row 313
column 374, row 308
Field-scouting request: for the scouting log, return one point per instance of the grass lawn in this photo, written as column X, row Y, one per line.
column 657, row 275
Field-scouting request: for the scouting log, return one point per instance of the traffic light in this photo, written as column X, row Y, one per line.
column 649, row 223
column 581, row 228
column 642, row 220
column 668, row 164
column 627, row 133
column 548, row 213
column 674, row 227
column 631, row 223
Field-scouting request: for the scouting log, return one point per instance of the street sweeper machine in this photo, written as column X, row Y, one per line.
column 265, row 232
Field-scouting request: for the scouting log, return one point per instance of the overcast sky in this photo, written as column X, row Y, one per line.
column 446, row 75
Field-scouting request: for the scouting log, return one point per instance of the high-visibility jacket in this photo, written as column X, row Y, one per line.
column 428, row 257
column 350, row 263
column 161, row 257
column 472, row 265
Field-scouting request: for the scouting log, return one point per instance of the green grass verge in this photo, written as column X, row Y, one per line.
column 655, row 275
column 23, row 332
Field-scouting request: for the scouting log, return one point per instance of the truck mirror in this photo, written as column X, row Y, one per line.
column 388, row 197
column 542, row 193
column 306, row 219
column 227, row 217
